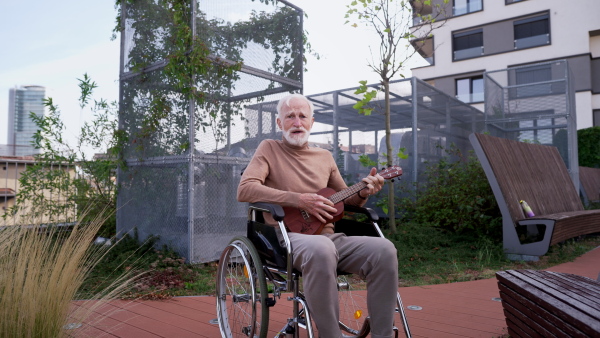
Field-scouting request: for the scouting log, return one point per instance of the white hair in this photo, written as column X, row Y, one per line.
column 286, row 101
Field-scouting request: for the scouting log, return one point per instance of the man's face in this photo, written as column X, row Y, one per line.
column 295, row 121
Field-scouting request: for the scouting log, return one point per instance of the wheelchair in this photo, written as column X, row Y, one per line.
column 255, row 271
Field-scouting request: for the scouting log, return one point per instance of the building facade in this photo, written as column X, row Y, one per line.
column 21, row 102
column 50, row 194
column 479, row 36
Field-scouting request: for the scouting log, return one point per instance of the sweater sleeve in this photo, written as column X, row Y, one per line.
column 252, row 186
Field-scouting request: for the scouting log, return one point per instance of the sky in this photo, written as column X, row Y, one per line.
column 53, row 43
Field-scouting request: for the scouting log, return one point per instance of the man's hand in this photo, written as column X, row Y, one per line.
column 374, row 184
column 317, row 205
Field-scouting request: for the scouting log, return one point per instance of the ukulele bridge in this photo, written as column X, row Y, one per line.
column 305, row 215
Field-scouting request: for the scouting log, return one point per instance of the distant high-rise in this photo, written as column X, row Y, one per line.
column 21, row 102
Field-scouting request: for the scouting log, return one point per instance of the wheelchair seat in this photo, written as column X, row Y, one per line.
column 267, row 243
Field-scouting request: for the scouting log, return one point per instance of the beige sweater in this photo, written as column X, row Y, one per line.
column 279, row 172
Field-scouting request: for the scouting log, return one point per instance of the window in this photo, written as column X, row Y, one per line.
column 532, row 32
column 512, row 1
column 466, row 6
column 468, row 44
column 597, row 118
column 470, row 89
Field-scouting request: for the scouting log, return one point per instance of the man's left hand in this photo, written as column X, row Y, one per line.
column 374, row 184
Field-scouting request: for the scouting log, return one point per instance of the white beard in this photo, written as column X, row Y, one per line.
column 296, row 140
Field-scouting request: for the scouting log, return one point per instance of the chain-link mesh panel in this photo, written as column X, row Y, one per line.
column 148, row 26
column 154, row 117
column 153, row 201
column 186, row 166
column 533, row 103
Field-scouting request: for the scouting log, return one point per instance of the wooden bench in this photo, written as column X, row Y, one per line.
column 536, row 174
column 590, row 184
column 549, row 304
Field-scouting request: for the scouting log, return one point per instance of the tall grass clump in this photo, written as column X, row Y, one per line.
column 40, row 274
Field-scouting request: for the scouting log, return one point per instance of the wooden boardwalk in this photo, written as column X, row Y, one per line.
column 465, row 309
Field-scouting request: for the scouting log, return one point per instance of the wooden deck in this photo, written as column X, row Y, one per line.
column 466, row 309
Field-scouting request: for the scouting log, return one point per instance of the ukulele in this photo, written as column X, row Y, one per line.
column 300, row 221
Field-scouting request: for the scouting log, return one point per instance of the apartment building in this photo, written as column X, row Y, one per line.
column 487, row 35
column 11, row 171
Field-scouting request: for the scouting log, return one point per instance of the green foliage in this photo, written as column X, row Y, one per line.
column 588, row 144
column 65, row 184
column 456, row 197
column 366, row 161
column 368, row 95
column 161, row 273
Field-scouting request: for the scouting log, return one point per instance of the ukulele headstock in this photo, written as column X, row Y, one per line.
column 391, row 172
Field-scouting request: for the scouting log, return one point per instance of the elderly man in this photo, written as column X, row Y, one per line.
column 288, row 173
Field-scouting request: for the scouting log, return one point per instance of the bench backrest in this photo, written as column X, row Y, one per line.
column 590, row 181
column 531, row 172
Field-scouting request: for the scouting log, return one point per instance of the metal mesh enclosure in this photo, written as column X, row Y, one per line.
column 422, row 119
column 184, row 156
column 534, row 103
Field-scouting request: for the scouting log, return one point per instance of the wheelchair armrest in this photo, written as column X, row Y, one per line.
column 370, row 213
column 274, row 209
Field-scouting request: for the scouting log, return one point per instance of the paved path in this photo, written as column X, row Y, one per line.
column 465, row 309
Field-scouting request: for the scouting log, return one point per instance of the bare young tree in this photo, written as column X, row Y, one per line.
column 404, row 29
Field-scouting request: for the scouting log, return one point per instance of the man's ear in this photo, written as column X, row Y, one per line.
column 279, row 123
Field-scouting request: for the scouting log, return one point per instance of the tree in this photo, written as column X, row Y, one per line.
column 66, row 184
column 392, row 21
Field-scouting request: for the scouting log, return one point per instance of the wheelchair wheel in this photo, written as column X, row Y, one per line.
column 241, row 291
column 353, row 308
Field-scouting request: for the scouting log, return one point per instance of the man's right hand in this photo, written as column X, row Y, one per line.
column 317, row 205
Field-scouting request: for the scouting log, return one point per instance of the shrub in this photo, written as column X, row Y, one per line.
column 455, row 197
column 588, row 144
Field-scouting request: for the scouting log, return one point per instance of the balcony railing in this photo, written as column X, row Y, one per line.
column 468, row 53
column 532, row 41
column 472, row 97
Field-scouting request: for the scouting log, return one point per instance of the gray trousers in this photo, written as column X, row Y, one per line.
column 374, row 259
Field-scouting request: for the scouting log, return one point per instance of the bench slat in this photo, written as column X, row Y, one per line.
column 573, row 292
column 555, row 301
column 529, row 310
column 518, row 310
